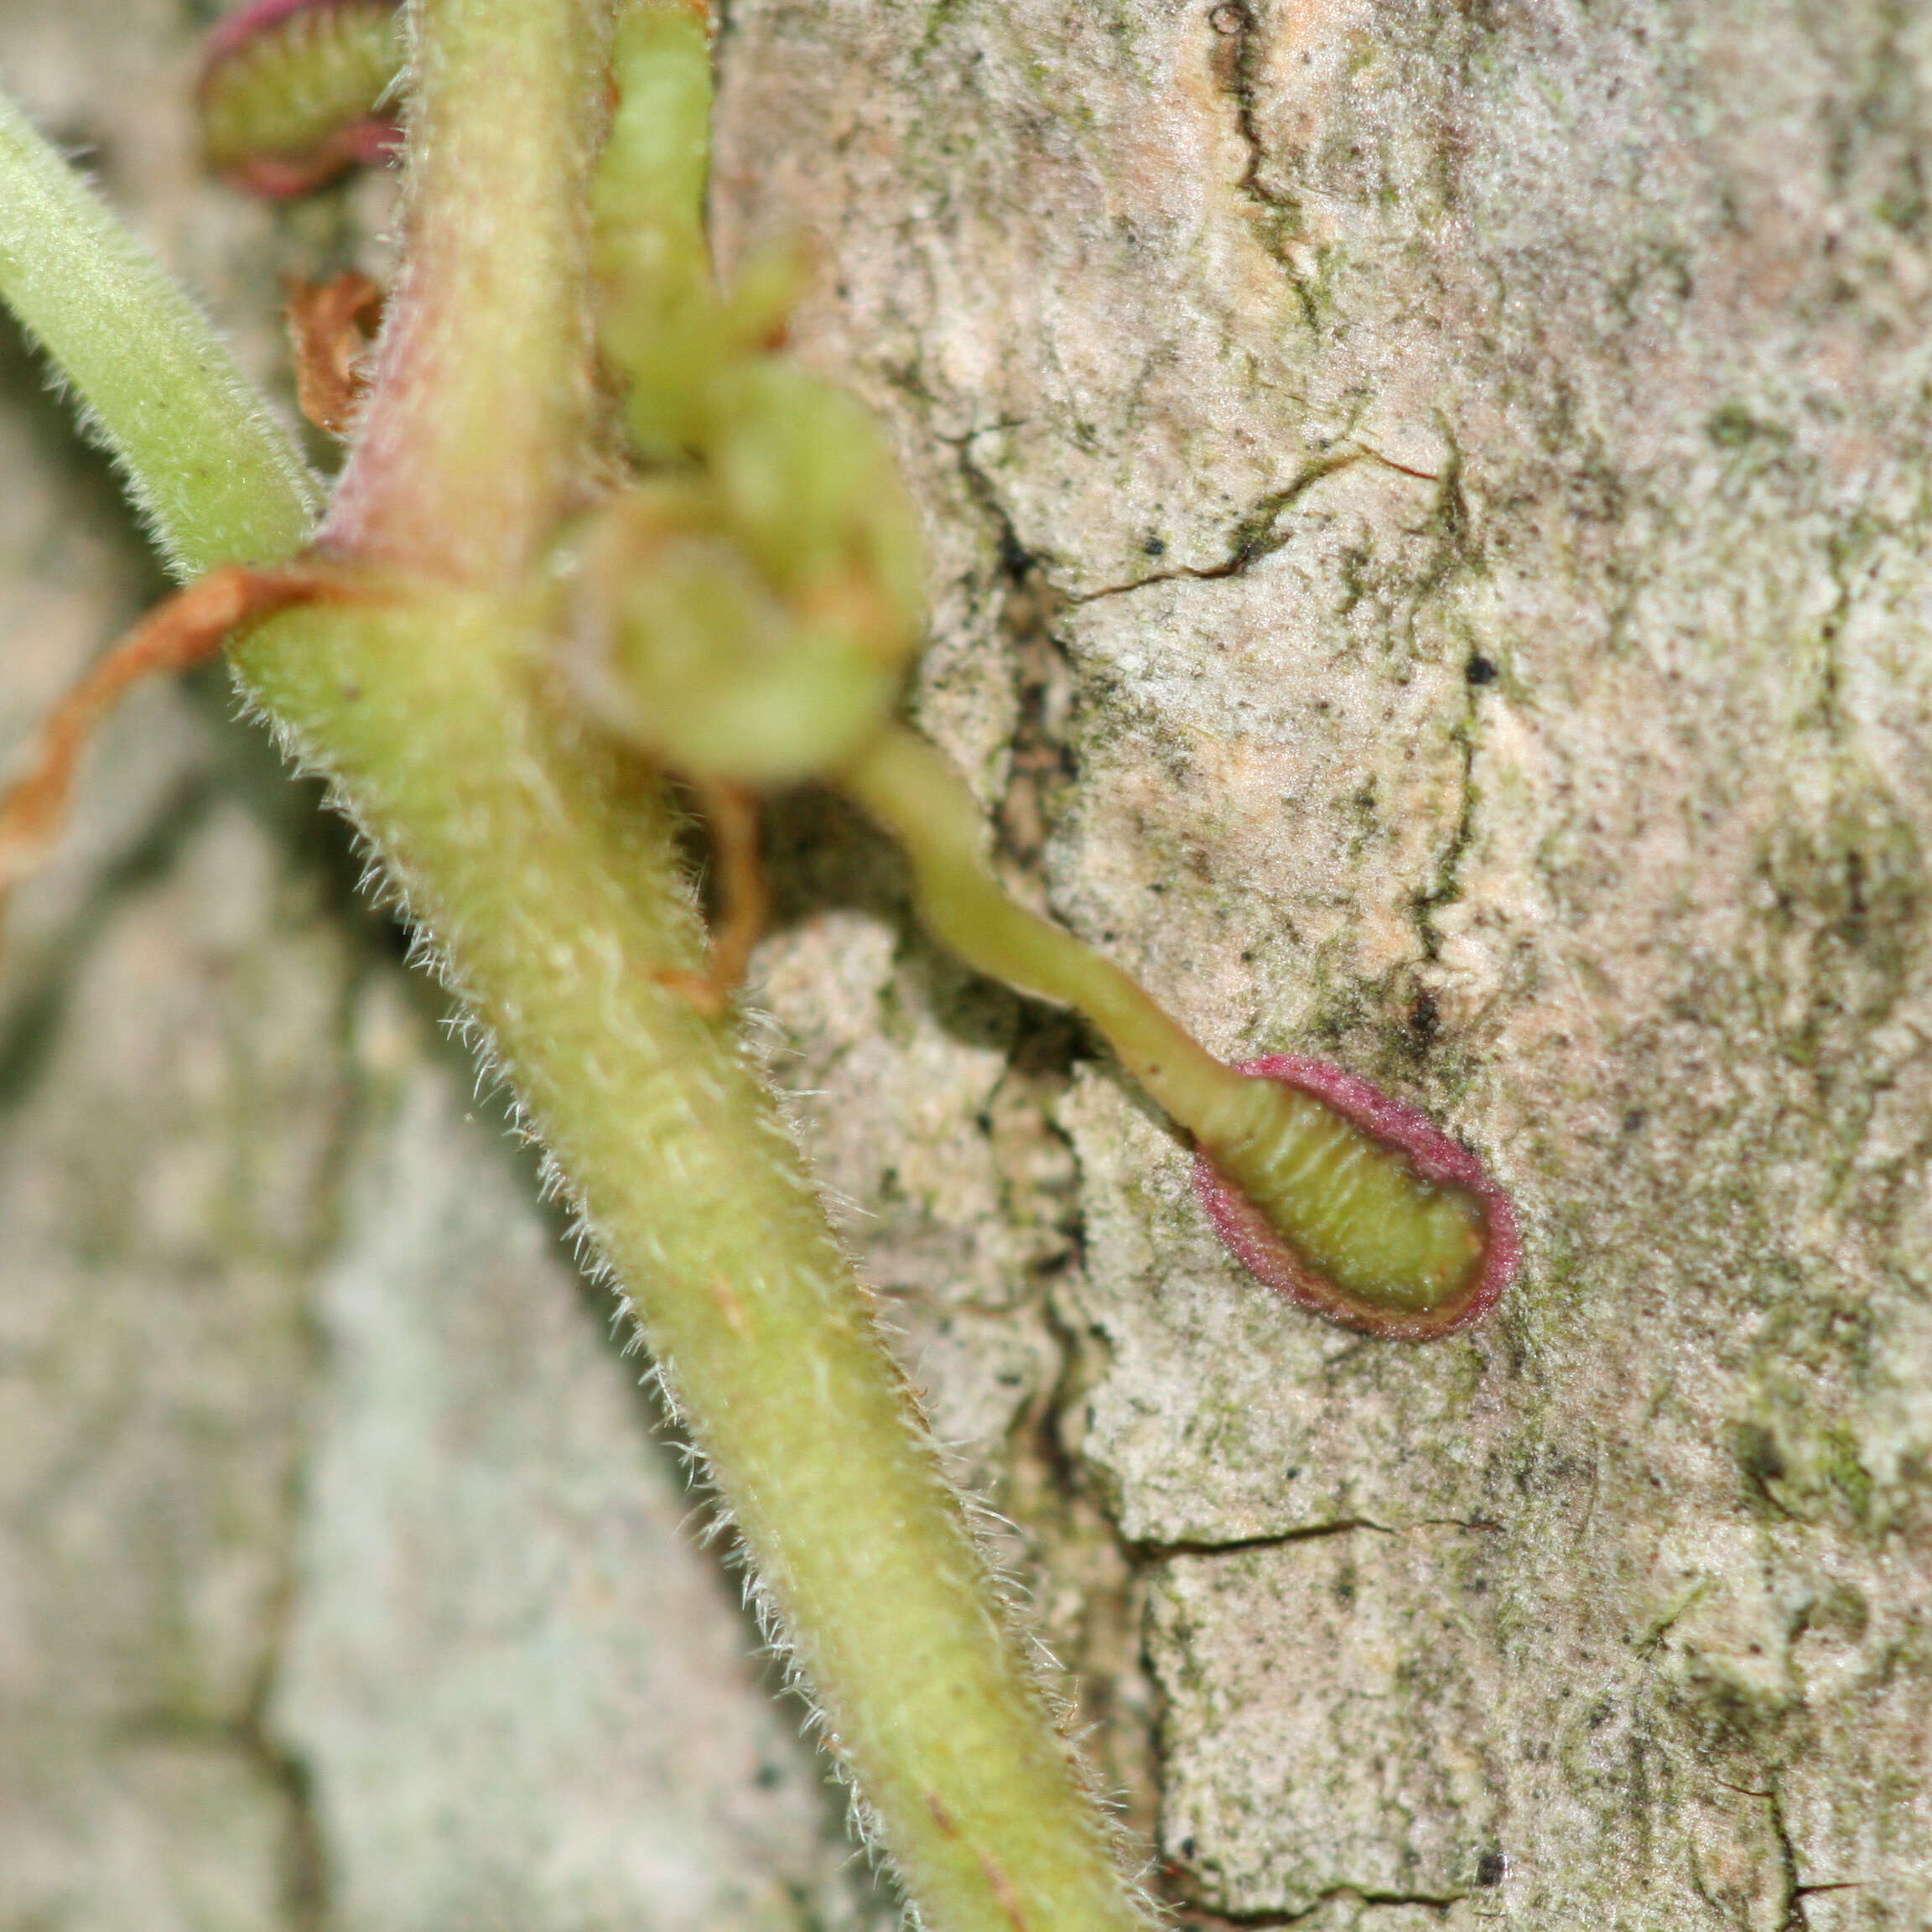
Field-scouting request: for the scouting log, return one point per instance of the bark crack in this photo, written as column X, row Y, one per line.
column 1042, row 768
column 1277, row 213
column 31, row 1024
column 1792, row 1916
column 305, row 1867
column 1259, row 533
column 1455, row 554
column 305, row 1857
column 1197, row 1919
column 1447, row 885
column 1151, row 1552
column 1795, row 1919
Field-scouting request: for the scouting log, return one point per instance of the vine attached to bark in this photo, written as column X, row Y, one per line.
column 490, row 644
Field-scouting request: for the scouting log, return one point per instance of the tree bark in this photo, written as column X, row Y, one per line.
column 1428, row 510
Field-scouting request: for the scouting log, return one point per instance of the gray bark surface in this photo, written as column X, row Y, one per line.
column 1429, row 516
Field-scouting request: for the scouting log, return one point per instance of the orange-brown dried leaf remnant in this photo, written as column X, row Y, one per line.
column 331, row 325
column 187, row 630
column 744, row 903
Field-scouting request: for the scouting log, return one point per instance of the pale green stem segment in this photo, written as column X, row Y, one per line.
column 660, row 320
column 1354, row 1209
column 551, row 888
column 216, row 478
column 483, row 371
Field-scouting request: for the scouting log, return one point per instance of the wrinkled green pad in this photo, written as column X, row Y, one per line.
column 289, row 89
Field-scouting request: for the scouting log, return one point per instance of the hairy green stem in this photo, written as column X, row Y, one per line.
column 217, row 479
column 547, row 881
column 476, row 433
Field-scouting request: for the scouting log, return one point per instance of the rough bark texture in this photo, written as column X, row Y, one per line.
column 1428, row 509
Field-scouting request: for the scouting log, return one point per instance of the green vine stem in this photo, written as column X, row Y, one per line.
column 548, row 883
column 551, row 888
column 215, row 478
column 475, row 434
